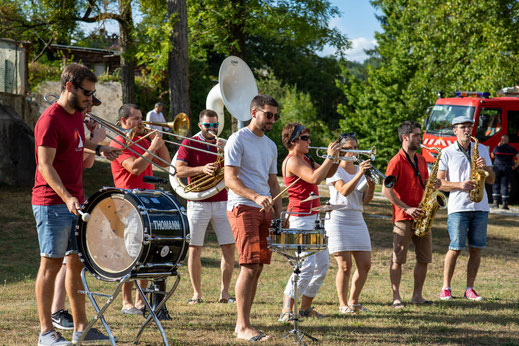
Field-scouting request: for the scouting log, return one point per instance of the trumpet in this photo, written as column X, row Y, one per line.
column 374, row 174
column 370, row 153
column 125, row 133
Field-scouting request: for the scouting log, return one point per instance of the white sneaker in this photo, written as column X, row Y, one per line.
column 52, row 338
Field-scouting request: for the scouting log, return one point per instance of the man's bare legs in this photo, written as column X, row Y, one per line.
column 395, row 274
column 227, row 267
column 194, row 265
column 58, row 301
column 450, row 264
column 473, row 265
column 245, row 290
column 73, row 284
column 195, row 269
column 420, row 272
column 44, row 289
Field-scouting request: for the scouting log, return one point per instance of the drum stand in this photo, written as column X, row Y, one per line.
column 296, row 263
column 153, row 311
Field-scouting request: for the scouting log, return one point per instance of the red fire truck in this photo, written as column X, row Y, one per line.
column 493, row 117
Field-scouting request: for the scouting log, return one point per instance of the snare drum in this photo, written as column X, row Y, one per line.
column 143, row 233
column 284, row 239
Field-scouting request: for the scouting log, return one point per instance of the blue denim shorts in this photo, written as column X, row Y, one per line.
column 56, row 230
column 467, row 224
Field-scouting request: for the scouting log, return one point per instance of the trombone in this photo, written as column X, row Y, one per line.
column 370, row 153
column 125, row 133
column 179, row 128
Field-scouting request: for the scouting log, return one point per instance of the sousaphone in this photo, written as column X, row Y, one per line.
column 235, row 90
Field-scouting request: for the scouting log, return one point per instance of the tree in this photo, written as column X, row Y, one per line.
column 178, row 63
column 428, row 46
column 259, row 31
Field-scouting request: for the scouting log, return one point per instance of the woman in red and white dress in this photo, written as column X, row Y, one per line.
column 296, row 138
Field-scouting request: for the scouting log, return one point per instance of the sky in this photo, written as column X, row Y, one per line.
column 359, row 24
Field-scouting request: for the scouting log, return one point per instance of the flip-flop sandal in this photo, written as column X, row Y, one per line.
column 195, row 301
column 259, row 337
column 229, row 300
column 398, row 305
column 308, row 313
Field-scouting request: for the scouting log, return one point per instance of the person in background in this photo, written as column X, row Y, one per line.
column 504, row 155
column 156, row 116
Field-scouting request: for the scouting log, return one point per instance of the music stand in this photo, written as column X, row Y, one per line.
column 296, row 262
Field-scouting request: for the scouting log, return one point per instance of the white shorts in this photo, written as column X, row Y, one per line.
column 200, row 213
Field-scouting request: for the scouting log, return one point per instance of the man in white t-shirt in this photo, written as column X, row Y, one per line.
column 251, row 175
column 467, row 219
column 156, row 116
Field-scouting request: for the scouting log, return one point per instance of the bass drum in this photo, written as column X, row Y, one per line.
column 144, row 233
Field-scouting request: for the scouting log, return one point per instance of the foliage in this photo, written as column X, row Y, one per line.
column 41, row 72
column 295, row 106
column 428, row 46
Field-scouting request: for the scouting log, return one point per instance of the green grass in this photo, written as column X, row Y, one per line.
column 493, row 321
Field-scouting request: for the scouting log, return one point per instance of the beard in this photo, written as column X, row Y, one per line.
column 74, row 103
column 208, row 135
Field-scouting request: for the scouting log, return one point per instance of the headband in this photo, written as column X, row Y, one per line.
column 297, row 131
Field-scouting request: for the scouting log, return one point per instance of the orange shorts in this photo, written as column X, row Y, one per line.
column 250, row 228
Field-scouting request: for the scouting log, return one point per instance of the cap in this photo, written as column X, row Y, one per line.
column 95, row 101
column 461, row 119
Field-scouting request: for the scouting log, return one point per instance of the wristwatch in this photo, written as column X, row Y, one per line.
column 98, row 148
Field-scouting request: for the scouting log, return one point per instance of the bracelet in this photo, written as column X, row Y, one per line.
column 333, row 158
column 98, row 152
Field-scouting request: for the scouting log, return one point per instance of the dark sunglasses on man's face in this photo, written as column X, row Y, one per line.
column 304, row 138
column 209, row 125
column 86, row 92
column 269, row 115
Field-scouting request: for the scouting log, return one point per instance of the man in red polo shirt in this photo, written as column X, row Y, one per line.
column 191, row 162
column 128, row 171
column 410, row 170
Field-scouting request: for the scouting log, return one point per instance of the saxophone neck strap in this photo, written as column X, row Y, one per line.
column 465, row 152
column 415, row 167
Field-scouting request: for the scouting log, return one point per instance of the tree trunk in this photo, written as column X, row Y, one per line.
column 127, row 51
column 178, row 64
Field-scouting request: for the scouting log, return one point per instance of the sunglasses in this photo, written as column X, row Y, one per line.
column 304, row 138
column 86, row 92
column 269, row 115
column 209, row 125
column 349, row 135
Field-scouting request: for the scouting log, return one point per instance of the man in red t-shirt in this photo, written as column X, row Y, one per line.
column 191, row 162
column 128, row 170
column 57, row 194
column 410, row 170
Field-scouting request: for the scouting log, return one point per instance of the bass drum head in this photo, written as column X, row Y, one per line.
column 111, row 242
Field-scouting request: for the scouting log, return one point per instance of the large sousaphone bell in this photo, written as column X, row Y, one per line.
column 235, row 90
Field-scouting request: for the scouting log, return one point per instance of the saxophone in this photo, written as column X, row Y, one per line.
column 432, row 200
column 478, row 176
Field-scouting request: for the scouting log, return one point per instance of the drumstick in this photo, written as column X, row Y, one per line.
column 282, row 192
column 84, row 216
column 140, row 139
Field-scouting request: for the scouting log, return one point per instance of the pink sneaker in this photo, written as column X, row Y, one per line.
column 472, row 295
column 446, row 294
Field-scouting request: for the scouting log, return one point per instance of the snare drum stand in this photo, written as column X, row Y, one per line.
column 153, row 311
column 296, row 263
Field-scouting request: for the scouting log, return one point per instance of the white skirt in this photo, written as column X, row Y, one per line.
column 347, row 231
